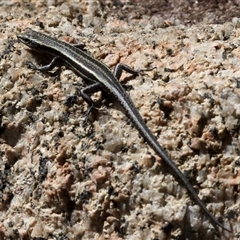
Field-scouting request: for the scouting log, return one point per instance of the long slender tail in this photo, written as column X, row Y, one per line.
column 153, row 143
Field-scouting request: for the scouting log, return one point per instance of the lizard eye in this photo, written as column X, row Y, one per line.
column 27, row 41
column 23, row 39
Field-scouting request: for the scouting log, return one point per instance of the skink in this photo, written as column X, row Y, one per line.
column 103, row 79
